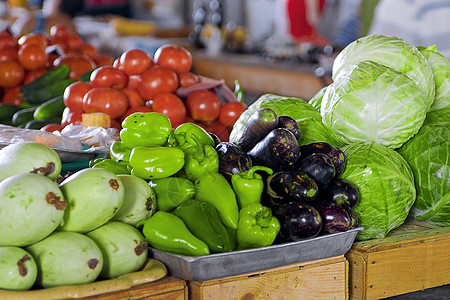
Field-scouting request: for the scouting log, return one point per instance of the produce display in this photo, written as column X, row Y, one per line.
column 75, row 80
column 367, row 150
column 36, row 68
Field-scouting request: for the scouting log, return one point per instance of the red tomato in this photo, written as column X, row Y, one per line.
column 31, row 75
column 52, row 127
column 133, row 82
column 33, row 38
column 135, row 61
column 174, row 57
column 187, row 79
column 103, row 60
column 74, row 93
column 13, row 96
column 107, row 76
column 170, row 105
column 8, row 53
column 134, row 99
column 110, row 101
column 133, row 110
column 59, row 31
column 157, row 80
column 79, row 64
column 203, row 105
column 222, row 132
column 69, row 117
column 115, row 124
column 89, row 50
column 73, row 41
column 230, row 112
column 11, row 73
column 32, row 56
column 7, row 40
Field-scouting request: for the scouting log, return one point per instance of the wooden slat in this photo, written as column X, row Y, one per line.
column 323, row 279
column 413, row 257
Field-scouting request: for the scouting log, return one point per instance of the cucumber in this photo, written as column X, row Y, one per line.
column 8, row 110
column 50, row 108
column 48, row 92
column 56, row 74
column 22, row 116
column 38, row 124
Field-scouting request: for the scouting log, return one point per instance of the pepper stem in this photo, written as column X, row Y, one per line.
column 263, row 217
column 193, row 139
column 250, row 173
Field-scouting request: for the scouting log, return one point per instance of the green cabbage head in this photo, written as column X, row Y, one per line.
column 428, row 154
column 373, row 103
column 385, row 184
column 440, row 66
column 392, row 52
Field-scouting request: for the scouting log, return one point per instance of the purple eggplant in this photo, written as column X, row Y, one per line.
column 278, row 150
column 292, row 186
column 232, row 159
column 290, row 124
column 335, row 154
column 320, row 167
column 260, row 123
column 341, row 192
column 298, row 221
column 334, row 217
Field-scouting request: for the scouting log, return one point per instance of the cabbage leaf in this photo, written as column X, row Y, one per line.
column 392, row 52
column 373, row 103
column 440, row 66
column 386, row 187
column 428, row 154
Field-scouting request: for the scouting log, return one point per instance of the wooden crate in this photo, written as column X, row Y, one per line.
column 320, row 279
column 167, row 288
column 413, row 257
column 151, row 282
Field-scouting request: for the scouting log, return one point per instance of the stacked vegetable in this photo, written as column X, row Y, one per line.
column 36, row 68
column 71, row 232
column 388, row 95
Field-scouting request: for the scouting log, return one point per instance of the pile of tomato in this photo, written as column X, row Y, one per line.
column 137, row 82
column 24, row 58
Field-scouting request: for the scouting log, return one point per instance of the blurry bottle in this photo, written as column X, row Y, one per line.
column 198, row 20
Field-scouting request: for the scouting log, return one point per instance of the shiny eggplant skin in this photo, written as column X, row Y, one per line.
column 298, row 221
column 334, row 217
column 341, row 192
column 290, row 124
column 292, row 186
column 335, row 154
column 232, row 159
column 278, row 150
column 319, row 167
column 260, row 123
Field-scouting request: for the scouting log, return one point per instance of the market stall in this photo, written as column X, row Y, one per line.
column 148, row 174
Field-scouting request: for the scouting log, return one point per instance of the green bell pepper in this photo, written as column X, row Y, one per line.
column 202, row 220
column 145, row 129
column 155, row 162
column 120, row 167
column 200, row 159
column 119, row 152
column 181, row 136
column 249, row 186
column 212, row 187
column 172, row 191
column 166, row 232
column 257, row 227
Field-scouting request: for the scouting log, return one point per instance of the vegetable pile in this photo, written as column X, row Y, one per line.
column 388, row 109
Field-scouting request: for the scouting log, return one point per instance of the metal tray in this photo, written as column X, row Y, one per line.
column 206, row 267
